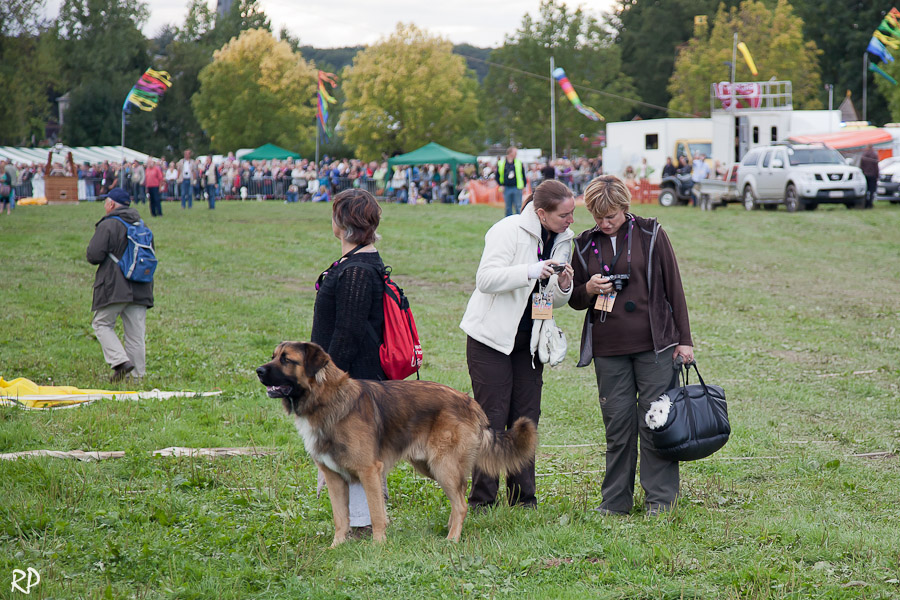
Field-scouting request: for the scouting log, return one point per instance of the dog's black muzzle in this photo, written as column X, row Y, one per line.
column 274, row 387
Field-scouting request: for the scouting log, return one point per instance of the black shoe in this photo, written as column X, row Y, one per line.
column 360, row 533
column 608, row 513
column 120, row 371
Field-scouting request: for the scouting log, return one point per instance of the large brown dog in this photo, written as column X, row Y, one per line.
column 357, row 430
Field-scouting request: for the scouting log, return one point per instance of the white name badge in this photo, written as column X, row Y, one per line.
column 542, row 305
column 605, row 302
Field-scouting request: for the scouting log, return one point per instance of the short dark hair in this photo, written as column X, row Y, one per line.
column 358, row 214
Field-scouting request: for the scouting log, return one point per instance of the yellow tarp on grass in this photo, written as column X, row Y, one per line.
column 25, row 393
column 32, row 201
column 25, row 387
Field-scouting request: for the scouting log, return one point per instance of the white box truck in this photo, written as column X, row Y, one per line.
column 628, row 142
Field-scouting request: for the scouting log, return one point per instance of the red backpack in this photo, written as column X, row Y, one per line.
column 400, row 352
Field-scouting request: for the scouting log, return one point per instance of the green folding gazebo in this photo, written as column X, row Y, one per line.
column 270, row 152
column 434, row 154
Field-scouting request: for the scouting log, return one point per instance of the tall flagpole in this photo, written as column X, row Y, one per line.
column 865, row 82
column 733, row 68
column 552, row 111
column 122, row 166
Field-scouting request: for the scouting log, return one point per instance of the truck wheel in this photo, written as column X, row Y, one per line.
column 749, row 199
column 791, row 202
column 667, row 197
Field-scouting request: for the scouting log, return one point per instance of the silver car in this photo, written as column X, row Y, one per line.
column 798, row 175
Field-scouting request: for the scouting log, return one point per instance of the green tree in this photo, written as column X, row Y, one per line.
column 516, row 99
column 775, row 39
column 405, row 91
column 256, row 91
column 19, row 17
column 184, row 55
column 103, row 53
column 842, row 29
column 888, row 93
column 649, row 34
column 244, row 15
column 30, row 71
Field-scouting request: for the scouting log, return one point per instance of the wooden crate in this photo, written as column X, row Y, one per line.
column 60, row 189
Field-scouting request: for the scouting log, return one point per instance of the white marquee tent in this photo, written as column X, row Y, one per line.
column 81, row 154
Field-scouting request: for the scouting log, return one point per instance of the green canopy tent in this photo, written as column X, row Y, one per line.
column 434, row 154
column 270, row 152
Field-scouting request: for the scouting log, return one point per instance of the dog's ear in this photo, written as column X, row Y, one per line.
column 314, row 360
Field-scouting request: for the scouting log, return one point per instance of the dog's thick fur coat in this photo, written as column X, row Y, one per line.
column 357, row 430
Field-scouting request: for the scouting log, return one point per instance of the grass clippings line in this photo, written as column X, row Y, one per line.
column 177, row 451
column 568, row 445
column 866, row 372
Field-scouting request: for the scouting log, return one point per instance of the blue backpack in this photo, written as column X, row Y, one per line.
column 139, row 261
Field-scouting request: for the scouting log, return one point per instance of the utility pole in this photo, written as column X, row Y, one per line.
column 865, row 82
column 552, row 111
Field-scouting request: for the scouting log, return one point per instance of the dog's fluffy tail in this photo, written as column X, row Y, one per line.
column 507, row 451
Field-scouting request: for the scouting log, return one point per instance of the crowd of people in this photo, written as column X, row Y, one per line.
column 226, row 177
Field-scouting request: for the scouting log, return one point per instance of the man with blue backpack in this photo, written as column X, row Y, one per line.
column 123, row 249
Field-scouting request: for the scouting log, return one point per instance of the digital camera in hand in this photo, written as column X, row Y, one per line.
column 558, row 268
column 618, row 281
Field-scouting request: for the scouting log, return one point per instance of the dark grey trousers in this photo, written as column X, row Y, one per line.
column 628, row 384
column 506, row 387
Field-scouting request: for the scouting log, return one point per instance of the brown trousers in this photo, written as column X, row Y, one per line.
column 628, row 384
column 506, row 387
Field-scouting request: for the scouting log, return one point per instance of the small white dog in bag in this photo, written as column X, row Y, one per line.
column 658, row 414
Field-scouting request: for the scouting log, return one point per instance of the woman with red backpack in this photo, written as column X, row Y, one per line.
column 350, row 305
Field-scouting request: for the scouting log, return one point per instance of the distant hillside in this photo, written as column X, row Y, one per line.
column 478, row 66
column 330, row 59
column 335, row 59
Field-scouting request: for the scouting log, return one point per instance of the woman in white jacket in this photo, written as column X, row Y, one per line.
column 523, row 254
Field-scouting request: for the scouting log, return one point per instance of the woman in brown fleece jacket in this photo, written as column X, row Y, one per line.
column 632, row 339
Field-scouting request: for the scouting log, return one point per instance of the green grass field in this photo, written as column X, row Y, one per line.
column 795, row 315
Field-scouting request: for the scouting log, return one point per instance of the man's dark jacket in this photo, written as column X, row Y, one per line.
column 110, row 285
column 869, row 163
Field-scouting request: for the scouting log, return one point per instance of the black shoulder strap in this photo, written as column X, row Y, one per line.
column 578, row 252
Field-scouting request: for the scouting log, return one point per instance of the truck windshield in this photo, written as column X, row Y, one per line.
column 814, row 156
column 702, row 148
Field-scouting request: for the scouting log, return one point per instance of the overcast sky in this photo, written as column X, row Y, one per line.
column 336, row 23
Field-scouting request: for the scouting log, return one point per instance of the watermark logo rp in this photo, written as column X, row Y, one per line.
column 32, row 578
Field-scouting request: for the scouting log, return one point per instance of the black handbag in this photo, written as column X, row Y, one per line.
column 697, row 424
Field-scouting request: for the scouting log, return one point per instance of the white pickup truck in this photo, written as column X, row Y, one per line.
column 798, row 176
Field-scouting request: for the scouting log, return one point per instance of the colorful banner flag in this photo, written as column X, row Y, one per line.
column 325, row 99
column 148, row 90
column 885, row 38
column 560, row 75
column 875, row 69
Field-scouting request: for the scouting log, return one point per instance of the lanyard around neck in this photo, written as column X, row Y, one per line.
column 607, row 269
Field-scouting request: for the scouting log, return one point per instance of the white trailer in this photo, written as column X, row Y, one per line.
column 628, row 142
column 764, row 114
column 736, row 133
